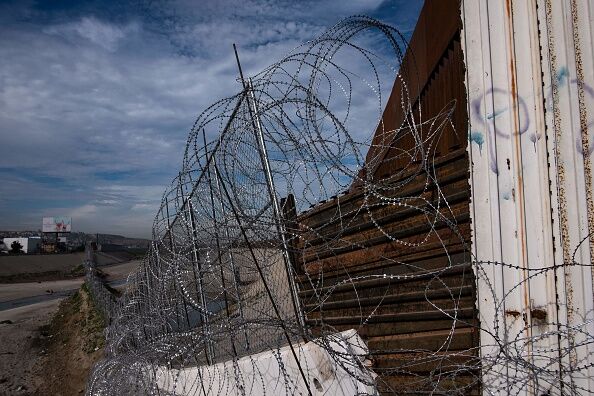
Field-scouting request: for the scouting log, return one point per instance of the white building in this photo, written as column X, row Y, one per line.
column 30, row 244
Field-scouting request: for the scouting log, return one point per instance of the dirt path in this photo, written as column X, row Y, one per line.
column 13, row 295
column 49, row 343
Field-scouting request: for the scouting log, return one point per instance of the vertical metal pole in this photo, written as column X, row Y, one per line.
column 181, row 188
column 209, row 351
column 161, row 286
column 148, row 289
column 184, row 303
column 171, row 248
column 218, row 243
column 289, row 216
column 195, row 255
column 275, row 205
column 200, row 291
column 273, row 198
column 234, row 270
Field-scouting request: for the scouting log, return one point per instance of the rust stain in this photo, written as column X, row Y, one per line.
column 340, row 240
column 512, row 312
column 508, row 8
column 518, row 158
column 538, row 313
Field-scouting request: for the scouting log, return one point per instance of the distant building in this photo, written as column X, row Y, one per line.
column 29, row 244
column 49, row 247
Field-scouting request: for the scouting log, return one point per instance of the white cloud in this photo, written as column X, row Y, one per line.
column 146, row 207
column 83, row 211
column 95, row 111
column 102, row 34
column 107, row 202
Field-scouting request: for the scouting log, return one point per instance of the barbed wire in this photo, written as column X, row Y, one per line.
column 264, row 275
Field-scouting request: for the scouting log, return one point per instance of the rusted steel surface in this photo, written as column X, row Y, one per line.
column 343, row 245
column 433, row 74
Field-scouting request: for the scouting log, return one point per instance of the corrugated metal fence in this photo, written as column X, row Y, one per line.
column 406, row 321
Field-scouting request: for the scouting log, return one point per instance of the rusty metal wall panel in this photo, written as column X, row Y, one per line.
column 529, row 79
column 361, row 260
column 432, row 47
column 391, row 311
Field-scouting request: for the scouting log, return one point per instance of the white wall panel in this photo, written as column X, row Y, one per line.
column 530, row 87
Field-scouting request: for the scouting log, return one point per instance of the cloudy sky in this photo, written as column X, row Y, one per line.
column 97, row 98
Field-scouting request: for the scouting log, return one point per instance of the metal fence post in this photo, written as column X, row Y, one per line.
column 209, row 351
column 234, row 270
column 275, row 205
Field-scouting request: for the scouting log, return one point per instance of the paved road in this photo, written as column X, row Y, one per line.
column 12, row 291
column 14, row 295
column 21, row 302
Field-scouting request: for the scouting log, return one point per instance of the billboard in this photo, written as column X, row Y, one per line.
column 57, row 224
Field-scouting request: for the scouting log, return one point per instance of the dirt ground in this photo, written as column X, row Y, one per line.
column 19, row 349
column 103, row 258
column 120, row 271
column 48, row 346
column 35, row 263
column 32, row 268
column 49, row 267
column 13, row 290
column 45, row 356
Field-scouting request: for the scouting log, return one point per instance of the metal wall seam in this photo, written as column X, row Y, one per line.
column 555, row 277
column 538, row 288
column 500, row 125
column 485, row 218
column 583, row 18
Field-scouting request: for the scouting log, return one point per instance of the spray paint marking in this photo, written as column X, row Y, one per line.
column 493, row 129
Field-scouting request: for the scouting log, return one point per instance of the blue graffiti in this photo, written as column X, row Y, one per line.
column 493, row 128
column 562, row 76
column 477, row 138
column 562, row 80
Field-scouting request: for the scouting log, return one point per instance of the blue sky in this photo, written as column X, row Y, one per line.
column 97, row 98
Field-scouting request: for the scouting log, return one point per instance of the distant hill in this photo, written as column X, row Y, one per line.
column 121, row 241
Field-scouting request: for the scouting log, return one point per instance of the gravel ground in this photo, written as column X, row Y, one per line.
column 20, row 349
column 49, row 348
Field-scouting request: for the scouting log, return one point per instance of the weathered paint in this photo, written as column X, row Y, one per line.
column 529, row 78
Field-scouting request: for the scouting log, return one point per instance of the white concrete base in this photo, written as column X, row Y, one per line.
column 344, row 371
